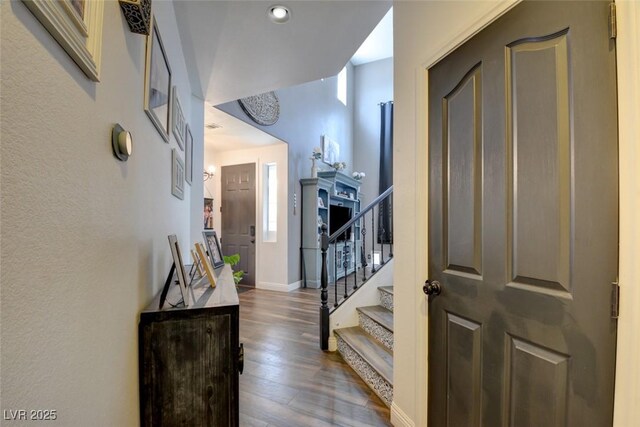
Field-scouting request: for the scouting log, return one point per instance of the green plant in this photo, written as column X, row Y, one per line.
column 234, row 260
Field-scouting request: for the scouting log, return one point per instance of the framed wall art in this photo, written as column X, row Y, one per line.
column 157, row 83
column 177, row 175
column 330, row 151
column 208, row 213
column 213, row 246
column 188, row 155
column 77, row 27
column 179, row 125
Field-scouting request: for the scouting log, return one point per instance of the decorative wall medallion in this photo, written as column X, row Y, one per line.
column 264, row 109
column 138, row 15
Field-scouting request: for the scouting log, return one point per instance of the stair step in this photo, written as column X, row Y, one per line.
column 377, row 321
column 387, row 289
column 386, row 297
column 375, row 354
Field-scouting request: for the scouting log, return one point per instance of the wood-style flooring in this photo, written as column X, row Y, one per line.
column 287, row 379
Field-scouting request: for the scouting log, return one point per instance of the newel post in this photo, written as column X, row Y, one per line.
column 324, row 296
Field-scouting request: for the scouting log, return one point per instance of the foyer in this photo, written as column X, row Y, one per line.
column 287, row 381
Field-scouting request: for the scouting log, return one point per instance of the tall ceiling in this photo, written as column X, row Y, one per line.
column 233, row 50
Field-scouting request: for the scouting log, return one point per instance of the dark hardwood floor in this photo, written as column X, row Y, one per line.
column 288, row 380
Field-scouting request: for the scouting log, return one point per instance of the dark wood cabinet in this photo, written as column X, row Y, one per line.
column 190, row 358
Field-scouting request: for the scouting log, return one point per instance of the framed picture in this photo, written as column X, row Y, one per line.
column 197, row 264
column 208, row 213
column 178, row 123
column 188, row 155
column 157, row 83
column 330, row 151
column 177, row 175
column 206, row 265
column 181, row 273
column 77, row 27
column 213, row 246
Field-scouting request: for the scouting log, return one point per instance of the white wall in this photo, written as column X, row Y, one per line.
column 446, row 25
column 373, row 85
column 84, row 236
column 271, row 257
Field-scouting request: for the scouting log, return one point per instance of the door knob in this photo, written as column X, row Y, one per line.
column 432, row 287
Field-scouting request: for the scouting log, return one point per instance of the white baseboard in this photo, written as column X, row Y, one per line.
column 279, row 287
column 399, row 418
column 333, row 343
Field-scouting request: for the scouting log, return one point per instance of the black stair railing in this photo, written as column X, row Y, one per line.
column 354, row 258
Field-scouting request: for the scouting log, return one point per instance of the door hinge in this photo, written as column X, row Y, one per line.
column 613, row 25
column 615, row 300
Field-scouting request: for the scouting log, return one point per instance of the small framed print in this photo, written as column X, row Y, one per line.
column 157, row 83
column 181, row 273
column 213, row 246
column 206, row 265
column 188, row 155
column 179, row 124
column 330, row 151
column 177, row 175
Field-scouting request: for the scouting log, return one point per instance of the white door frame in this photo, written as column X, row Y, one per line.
column 627, row 388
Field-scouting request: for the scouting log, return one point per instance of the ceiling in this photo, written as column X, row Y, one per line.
column 233, row 134
column 233, row 50
column 379, row 44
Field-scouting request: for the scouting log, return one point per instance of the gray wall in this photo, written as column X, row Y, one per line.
column 373, row 85
column 84, row 236
column 307, row 112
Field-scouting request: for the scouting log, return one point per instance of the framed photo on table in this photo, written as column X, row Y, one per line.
column 180, row 272
column 157, row 83
column 206, row 265
column 213, row 246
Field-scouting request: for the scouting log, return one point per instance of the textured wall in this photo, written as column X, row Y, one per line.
column 84, row 236
column 307, row 112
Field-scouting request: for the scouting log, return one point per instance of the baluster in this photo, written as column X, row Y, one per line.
column 355, row 257
column 345, row 264
column 335, row 273
column 381, row 230
column 390, row 203
column 324, row 296
column 373, row 243
column 363, row 251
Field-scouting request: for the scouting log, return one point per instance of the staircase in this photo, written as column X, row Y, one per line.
column 368, row 347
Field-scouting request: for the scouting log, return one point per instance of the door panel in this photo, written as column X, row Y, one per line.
column 239, row 216
column 523, row 221
column 462, row 128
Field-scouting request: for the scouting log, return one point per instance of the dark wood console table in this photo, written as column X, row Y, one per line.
column 190, row 357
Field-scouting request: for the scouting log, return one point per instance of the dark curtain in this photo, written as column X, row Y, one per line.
column 386, row 172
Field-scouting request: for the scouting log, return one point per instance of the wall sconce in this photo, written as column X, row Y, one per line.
column 121, row 142
column 209, row 173
column 138, row 15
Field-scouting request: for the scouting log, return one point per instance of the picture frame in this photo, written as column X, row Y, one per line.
column 157, row 83
column 206, row 265
column 208, row 213
column 180, row 270
column 179, row 124
column 77, row 26
column 188, row 155
column 213, row 247
column 177, row 175
column 197, row 264
column 330, row 150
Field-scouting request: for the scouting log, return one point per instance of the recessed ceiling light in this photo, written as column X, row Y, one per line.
column 279, row 14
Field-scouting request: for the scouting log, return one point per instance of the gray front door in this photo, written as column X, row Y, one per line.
column 239, row 217
column 523, row 221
